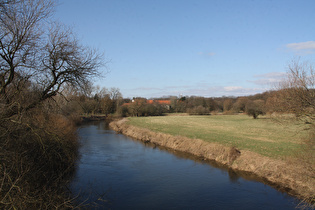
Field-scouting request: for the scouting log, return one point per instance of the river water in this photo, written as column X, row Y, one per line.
column 117, row 172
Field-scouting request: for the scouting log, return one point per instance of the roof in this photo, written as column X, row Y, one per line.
column 164, row 102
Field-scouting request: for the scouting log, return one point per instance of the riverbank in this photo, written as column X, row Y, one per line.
column 288, row 176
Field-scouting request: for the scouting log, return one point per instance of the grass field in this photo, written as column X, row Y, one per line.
column 267, row 136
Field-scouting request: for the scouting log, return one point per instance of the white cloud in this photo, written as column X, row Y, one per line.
column 302, row 47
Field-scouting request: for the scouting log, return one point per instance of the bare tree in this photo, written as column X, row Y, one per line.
column 296, row 95
column 136, row 107
column 64, row 62
column 38, row 60
column 227, row 105
column 116, row 97
column 115, row 94
column 297, row 91
column 20, row 33
column 240, row 104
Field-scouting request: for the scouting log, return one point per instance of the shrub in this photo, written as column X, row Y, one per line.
column 199, row 110
column 122, row 111
column 227, row 105
column 255, row 108
column 37, row 156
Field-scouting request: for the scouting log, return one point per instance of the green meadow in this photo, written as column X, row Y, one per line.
column 269, row 136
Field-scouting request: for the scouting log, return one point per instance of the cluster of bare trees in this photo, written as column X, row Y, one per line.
column 95, row 101
column 140, row 107
column 39, row 59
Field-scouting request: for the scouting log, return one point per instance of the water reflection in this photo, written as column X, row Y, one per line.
column 121, row 173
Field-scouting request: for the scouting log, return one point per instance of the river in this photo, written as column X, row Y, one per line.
column 117, row 172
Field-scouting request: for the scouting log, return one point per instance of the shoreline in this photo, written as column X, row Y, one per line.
column 282, row 175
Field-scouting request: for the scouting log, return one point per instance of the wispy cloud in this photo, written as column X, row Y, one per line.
column 145, row 89
column 302, row 47
column 193, row 90
column 232, row 88
column 207, row 54
column 218, row 91
column 268, row 79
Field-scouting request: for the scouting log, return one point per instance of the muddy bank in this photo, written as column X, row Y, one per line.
column 287, row 176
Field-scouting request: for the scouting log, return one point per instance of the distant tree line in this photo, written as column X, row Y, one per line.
column 195, row 105
column 140, row 107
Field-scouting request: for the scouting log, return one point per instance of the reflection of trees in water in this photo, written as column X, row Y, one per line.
column 233, row 176
column 100, row 122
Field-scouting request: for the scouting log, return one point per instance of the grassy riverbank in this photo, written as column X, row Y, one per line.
column 266, row 136
column 265, row 147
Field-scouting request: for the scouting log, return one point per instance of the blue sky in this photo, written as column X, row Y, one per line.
column 205, row 48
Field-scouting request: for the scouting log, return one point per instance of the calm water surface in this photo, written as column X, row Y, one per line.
column 116, row 172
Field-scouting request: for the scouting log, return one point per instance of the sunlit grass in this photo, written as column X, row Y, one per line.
column 266, row 136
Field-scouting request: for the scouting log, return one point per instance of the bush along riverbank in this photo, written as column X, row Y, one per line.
column 287, row 176
column 37, row 160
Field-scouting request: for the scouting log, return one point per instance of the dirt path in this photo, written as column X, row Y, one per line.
column 288, row 176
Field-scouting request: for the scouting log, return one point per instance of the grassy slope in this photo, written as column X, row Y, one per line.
column 265, row 136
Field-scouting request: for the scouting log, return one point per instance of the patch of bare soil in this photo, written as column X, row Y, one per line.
column 288, row 176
